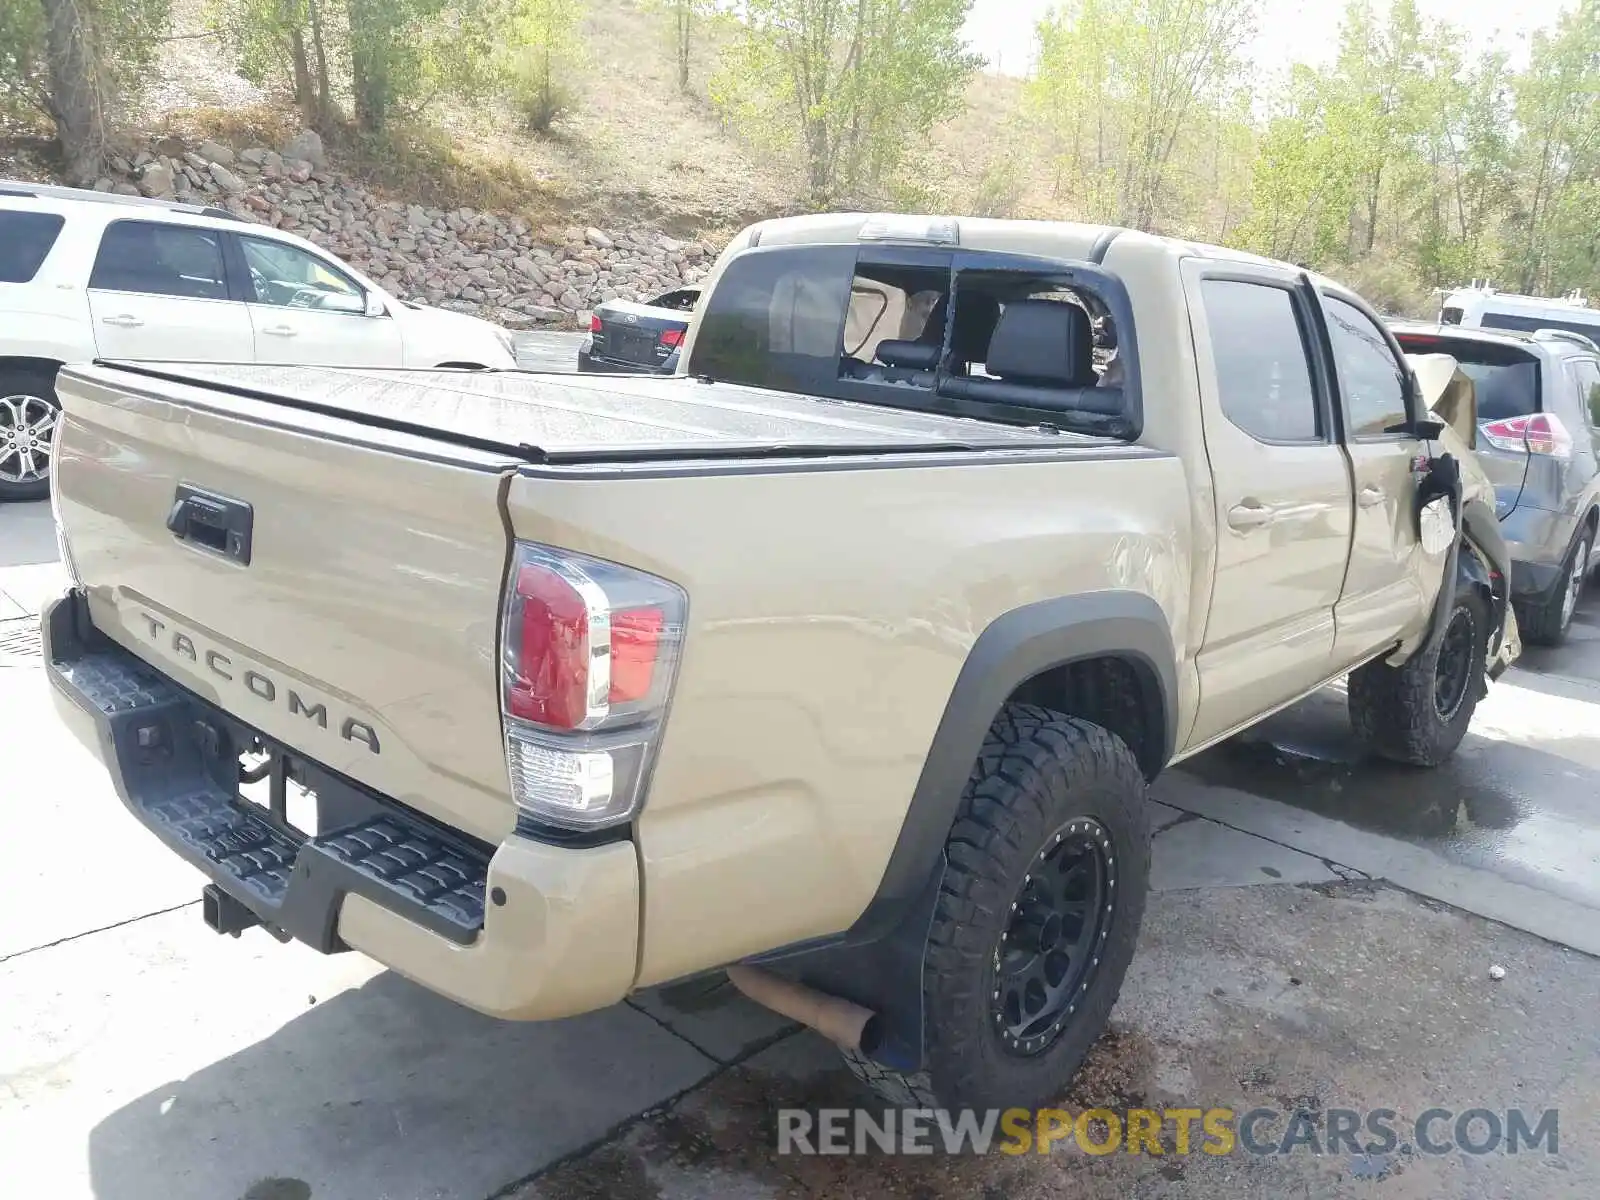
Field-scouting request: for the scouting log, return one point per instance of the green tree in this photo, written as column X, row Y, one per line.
column 392, row 57
column 687, row 18
column 1557, row 108
column 286, row 39
column 72, row 60
column 850, row 83
column 1481, row 173
column 1307, row 175
column 1128, row 89
column 546, row 45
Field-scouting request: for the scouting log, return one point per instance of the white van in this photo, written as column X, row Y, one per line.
column 1481, row 307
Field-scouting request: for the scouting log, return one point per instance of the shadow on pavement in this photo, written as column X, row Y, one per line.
column 387, row 1091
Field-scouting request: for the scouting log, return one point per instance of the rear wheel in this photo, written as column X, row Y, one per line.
column 1546, row 623
column 1418, row 712
column 28, row 412
column 1034, row 928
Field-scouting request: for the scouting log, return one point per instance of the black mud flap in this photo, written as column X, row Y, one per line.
column 884, row 975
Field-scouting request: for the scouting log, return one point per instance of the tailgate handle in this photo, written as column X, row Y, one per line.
column 213, row 523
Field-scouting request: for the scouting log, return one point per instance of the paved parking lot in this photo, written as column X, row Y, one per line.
column 144, row 1058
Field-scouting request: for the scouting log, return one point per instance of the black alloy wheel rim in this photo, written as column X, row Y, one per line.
column 1054, row 937
column 1450, row 673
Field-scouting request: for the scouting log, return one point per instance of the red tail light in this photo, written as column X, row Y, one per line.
column 594, row 324
column 1537, row 433
column 672, row 337
column 589, row 651
column 635, row 645
column 550, row 685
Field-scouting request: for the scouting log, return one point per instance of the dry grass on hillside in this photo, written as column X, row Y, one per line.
column 633, row 149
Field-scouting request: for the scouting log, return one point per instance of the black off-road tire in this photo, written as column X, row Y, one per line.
column 1394, row 710
column 1037, row 773
column 899, row 1088
column 27, row 388
column 1547, row 622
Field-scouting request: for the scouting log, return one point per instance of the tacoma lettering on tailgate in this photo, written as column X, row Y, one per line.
column 262, row 686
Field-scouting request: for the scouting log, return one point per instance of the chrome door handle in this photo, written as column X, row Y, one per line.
column 125, row 321
column 1371, row 495
column 1251, row 514
column 281, row 330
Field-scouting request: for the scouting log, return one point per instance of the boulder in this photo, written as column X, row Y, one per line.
column 511, row 319
column 226, row 178
column 155, row 179
column 255, row 156
column 306, row 146
column 214, row 152
column 599, row 239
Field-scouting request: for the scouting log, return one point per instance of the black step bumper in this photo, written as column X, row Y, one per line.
column 172, row 758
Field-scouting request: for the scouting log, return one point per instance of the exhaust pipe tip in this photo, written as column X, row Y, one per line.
column 842, row 1022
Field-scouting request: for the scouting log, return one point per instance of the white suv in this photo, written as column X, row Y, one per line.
column 87, row 275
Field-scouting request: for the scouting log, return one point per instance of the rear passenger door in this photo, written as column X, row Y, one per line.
column 1383, row 594
column 160, row 291
column 1281, row 488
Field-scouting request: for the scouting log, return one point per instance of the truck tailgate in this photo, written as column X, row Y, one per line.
column 362, row 629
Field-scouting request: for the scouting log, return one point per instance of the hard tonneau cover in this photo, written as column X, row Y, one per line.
column 578, row 419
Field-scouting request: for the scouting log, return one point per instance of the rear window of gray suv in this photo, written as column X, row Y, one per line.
column 1505, row 377
column 25, row 239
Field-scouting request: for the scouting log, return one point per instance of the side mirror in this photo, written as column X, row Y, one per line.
column 375, row 306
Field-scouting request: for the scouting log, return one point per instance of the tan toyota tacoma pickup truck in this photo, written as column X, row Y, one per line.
column 839, row 661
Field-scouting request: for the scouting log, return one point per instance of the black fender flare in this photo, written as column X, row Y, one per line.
column 878, row 961
column 1015, row 648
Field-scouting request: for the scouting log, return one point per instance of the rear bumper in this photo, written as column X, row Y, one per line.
column 587, row 361
column 523, row 930
column 1538, row 540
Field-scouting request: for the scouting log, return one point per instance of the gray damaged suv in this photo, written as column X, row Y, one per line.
column 1538, row 398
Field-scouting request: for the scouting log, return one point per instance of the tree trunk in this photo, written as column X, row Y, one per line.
column 819, row 166
column 324, row 115
column 1372, row 207
column 371, row 36
column 684, row 14
column 305, row 96
column 76, row 102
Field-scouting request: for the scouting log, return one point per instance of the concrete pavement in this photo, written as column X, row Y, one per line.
column 545, row 351
column 1290, row 1000
column 1508, row 829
